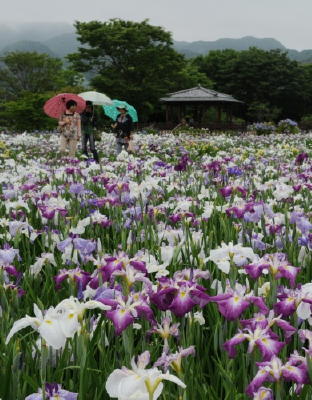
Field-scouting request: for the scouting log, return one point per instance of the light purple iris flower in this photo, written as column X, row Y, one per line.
column 166, row 329
column 85, row 246
column 261, row 321
column 263, row 393
column 19, row 226
column 77, row 188
column 251, row 211
column 264, row 339
column 63, row 244
column 174, row 360
column 191, row 274
column 53, row 391
column 131, row 275
column 106, row 293
column 301, row 222
column 295, row 370
column 7, row 255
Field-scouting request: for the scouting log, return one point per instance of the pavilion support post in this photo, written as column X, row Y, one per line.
column 231, row 116
column 219, row 114
column 167, row 113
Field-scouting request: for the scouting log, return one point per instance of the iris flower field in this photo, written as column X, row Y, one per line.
column 182, row 271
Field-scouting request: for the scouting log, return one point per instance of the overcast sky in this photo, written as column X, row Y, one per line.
column 288, row 21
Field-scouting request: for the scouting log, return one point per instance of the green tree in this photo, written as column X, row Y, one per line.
column 27, row 80
column 33, row 73
column 132, row 61
column 307, row 72
column 257, row 76
column 25, row 113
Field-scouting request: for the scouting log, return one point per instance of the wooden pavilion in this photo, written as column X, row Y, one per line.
column 196, row 101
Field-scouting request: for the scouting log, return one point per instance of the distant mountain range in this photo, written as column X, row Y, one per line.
column 193, row 49
column 59, row 39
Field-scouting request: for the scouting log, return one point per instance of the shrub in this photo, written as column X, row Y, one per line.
column 287, row 126
column 262, row 128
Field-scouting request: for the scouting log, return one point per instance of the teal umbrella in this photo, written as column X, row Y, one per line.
column 112, row 112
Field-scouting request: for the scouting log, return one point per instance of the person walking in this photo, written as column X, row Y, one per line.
column 88, row 124
column 70, row 128
column 122, row 126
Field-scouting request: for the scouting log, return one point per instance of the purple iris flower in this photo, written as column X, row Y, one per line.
column 117, row 187
column 234, row 171
column 306, row 241
column 214, row 166
column 301, row 158
column 111, row 265
column 295, row 370
column 290, row 300
column 235, row 211
column 47, row 212
column 179, row 296
column 254, row 211
column 125, row 310
column 277, row 264
column 297, row 188
column 183, row 163
column 261, row 321
column 226, row 191
column 12, row 286
column 233, row 303
column 53, row 391
column 77, row 275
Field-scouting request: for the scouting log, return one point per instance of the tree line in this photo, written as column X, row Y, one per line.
column 136, row 62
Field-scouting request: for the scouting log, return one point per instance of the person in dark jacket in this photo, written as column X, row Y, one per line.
column 88, row 124
column 122, row 126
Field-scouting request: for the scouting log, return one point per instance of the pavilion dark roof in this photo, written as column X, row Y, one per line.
column 198, row 94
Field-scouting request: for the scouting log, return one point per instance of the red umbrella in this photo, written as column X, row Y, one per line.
column 56, row 106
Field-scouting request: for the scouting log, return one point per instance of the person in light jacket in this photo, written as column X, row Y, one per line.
column 70, row 128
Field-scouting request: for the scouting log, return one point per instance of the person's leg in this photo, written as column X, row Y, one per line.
column 84, row 143
column 63, row 144
column 126, row 145
column 72, row 147
column 92, row 147
column 118, row 147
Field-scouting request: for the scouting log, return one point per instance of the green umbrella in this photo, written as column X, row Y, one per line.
column 112, row 112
